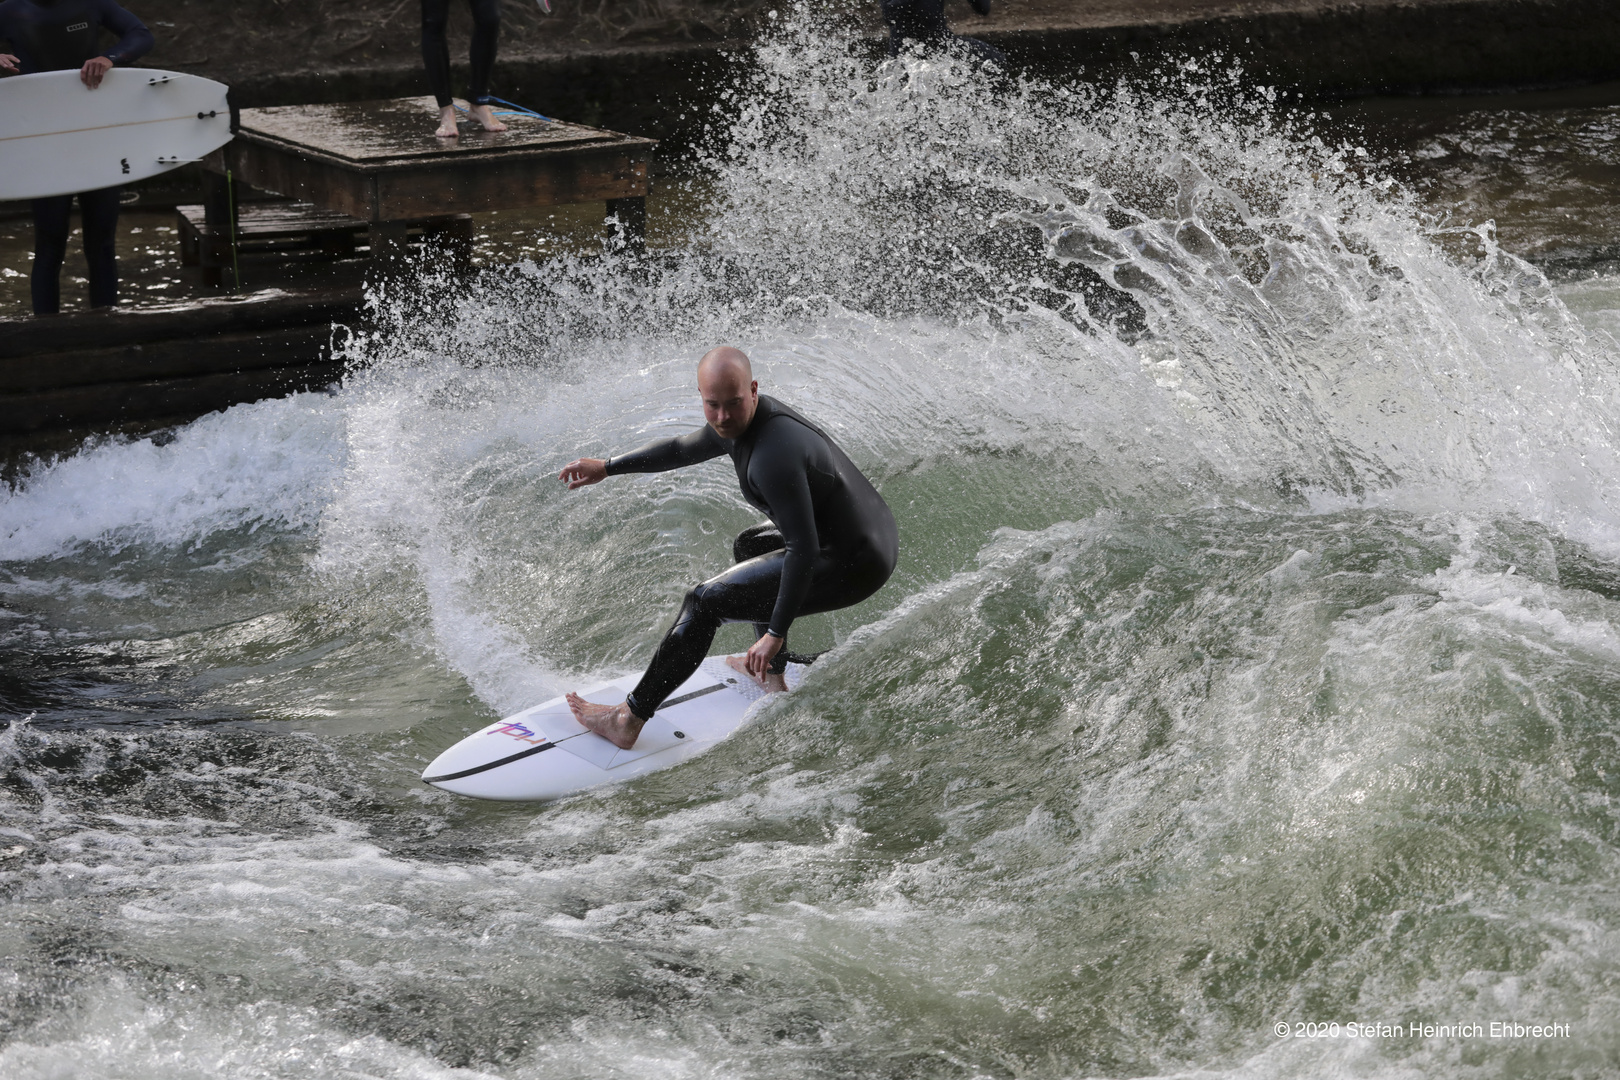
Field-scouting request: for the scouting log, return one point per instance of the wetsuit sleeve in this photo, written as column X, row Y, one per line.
column 783, row 479
column 665, row 454
column 134, row 39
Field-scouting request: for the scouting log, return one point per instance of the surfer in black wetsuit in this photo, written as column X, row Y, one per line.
column 923, row 22
column 831, row 541
column 60, row 35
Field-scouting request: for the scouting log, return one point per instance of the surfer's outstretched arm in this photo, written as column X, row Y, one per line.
column 661, row 455
column 658, row 456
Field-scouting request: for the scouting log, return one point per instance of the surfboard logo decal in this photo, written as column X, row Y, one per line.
column 517, row 731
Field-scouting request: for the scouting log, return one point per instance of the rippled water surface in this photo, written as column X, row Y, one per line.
column 1253, row 658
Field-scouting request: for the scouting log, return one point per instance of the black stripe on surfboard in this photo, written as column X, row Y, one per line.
column 488, row 765
column 694, row 694
column 531, row 751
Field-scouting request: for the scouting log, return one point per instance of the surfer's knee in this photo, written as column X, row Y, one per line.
column 756, row 540
column 705, row 607
column 692, row 609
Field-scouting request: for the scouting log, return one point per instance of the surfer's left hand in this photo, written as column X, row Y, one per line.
column 9, row 63
column 94, row 70
column 761, row 654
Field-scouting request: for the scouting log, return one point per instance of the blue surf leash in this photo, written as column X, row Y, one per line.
column 514, row 109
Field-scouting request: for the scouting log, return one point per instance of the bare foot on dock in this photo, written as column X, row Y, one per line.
column 482, row 114
column 615, row 723
column 773, row 684
column 447, row 123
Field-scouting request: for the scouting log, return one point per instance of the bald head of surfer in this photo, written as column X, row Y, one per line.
column 729, row 390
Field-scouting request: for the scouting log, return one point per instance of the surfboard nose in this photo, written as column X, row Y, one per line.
column 495, row 747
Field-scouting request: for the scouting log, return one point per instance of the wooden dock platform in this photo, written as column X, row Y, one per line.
column 370, row 172
column 379, row 162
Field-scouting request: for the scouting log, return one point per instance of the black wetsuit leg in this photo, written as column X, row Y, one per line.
column 752, row 542
column 747, row 593
column 51, row 217
column 99, row 212
column 486, row 28
column 435, row 49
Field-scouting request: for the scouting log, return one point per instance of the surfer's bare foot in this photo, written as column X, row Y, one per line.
column 447, row 123
column 482, row 114
column 615, row 723
column 773, row 683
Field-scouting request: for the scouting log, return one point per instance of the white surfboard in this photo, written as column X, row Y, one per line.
column 543, row 753
column 57, row 136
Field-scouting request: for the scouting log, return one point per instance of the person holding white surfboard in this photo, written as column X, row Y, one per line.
column 831, row 542
column 59, row 35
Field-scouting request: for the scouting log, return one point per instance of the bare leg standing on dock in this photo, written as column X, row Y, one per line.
column 436, row 58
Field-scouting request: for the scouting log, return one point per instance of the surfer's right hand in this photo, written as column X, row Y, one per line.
column 9, row 63
column 582, row 471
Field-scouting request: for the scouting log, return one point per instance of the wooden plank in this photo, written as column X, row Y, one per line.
column 286, row 171
column 178, row 398
column 275, row 219
column 34, row 338
column 211, row 355
column 498, row 184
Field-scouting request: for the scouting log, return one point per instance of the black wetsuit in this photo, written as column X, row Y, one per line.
column 61, row 36
column 923, row 21
column 832, row 541
column 436, row 51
